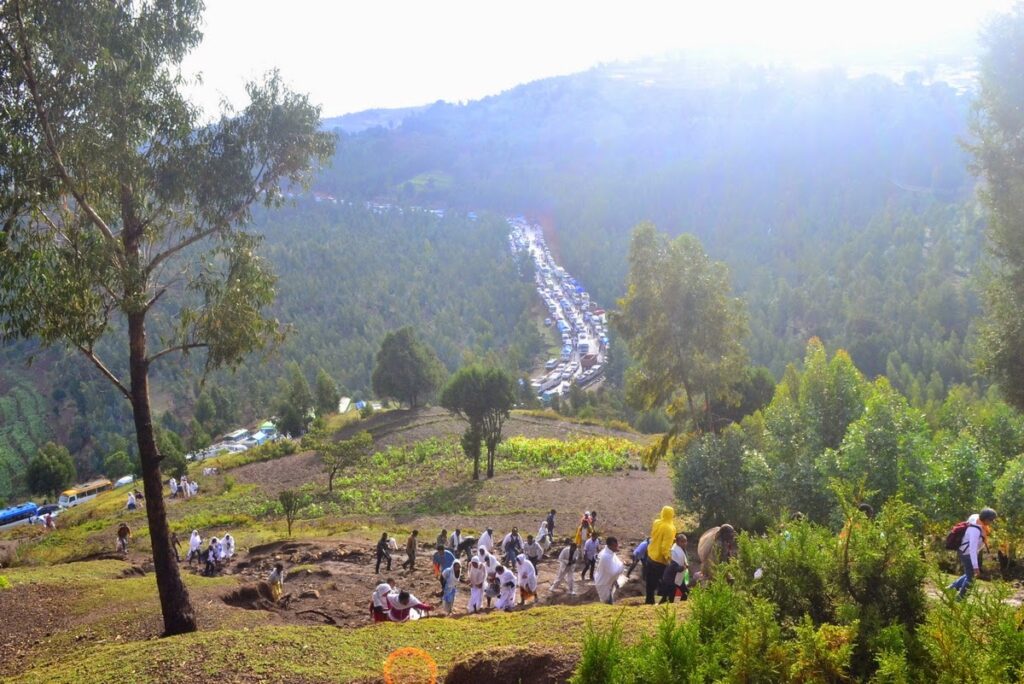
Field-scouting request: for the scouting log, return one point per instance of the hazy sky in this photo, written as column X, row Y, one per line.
column 386, row 53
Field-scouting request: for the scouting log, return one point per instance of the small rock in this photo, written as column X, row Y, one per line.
column 310, row 593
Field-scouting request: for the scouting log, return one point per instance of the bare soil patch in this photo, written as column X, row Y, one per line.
column 512, row 665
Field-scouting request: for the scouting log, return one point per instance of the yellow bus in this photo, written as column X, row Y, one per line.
column 83, row 492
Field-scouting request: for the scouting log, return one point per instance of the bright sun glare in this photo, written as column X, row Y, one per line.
column 353, row 56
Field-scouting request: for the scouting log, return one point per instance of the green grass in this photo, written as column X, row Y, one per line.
column 329, row 654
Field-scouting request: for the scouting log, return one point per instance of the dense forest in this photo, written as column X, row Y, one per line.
column 347, row 275
column 843, row 207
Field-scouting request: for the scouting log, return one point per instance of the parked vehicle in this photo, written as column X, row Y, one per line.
column 84, row 492
column 18, row 515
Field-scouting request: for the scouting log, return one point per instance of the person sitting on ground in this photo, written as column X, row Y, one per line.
column 590, row 550
column 477, row 577
column 276, row 582
column 403, row 606
column 124, row 533
column 454, row 541
column 450, row 585
column 533, row 551
column 131, row 506
column 410, row 551
column 442, row 559
column 383, row 553
column 968, row 552
column 639, row 556
column 674, row 579
column 506, row 588
column 609, row 567
column 379, row 601
column 194, row 542
column 511, row 546
column 716, row 546
column 527, row 580
column 486, row 540
column 568, row 561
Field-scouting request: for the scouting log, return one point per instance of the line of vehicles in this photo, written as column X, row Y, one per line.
column 580, row 324
column 31, row 513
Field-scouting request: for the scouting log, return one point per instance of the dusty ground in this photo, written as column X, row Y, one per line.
column 330, row 582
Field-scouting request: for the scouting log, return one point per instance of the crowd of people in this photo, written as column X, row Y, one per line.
column 501, row 572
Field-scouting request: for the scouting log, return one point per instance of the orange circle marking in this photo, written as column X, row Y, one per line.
column 414, row 665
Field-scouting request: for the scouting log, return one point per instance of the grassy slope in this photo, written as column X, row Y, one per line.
column 301, row 654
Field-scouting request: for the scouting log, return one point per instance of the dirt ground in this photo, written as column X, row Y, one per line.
column 330, row 582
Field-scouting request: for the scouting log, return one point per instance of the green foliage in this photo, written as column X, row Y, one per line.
column 327, row 395
column 173, row 463
column 118, row 464
column 50, row 470
column 997, row 129
column 4, row 583
column 295, row 406
column 291, row 503
column 568, row 458
column 963, row 482
column 723, row 480
column 603, row 652
column 264, row 452
column 1009, row 495
column 344, row 453
column 407, row 369
column 887, row 447
column 483, row 397
column 23, row 429
column 682, row 329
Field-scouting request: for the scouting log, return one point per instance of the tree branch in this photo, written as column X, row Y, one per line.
column 177, row 348
column 89, row 354
column 202, row 235
column 23, row 58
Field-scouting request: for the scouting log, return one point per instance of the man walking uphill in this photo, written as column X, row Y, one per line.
column 659, row 551
column 975, row 535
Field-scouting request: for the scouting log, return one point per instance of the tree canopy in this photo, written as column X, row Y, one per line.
column 123, row 213
column 483, row 397
column 684, row 332
column 407, row 369
column 51, row 470
column 998, row 150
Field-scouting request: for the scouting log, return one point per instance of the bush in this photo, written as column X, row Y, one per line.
column 602, row 655
column 4, row 582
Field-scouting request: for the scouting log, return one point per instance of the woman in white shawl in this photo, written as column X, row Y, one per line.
column 544, row 537
column 477, row 575
column 379, row 602
column 527, row 580
column 194, row 542
column 227, row 547
column 507, row 589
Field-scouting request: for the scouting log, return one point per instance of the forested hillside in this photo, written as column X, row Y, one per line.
column 842, row 205
column 346, row 276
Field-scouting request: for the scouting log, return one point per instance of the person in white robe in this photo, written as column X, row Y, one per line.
column 194, row 544
column 527, row 580
column 477, row 577
column 486, row 540
column 507, row 589
column 568, row 562
column 608, row 570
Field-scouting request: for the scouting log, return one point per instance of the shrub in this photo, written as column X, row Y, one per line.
column 602, row 654
column 4, row 582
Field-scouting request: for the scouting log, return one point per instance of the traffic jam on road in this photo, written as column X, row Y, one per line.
column 576, row 319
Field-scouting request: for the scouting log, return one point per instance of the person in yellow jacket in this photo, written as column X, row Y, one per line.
column 659, row 551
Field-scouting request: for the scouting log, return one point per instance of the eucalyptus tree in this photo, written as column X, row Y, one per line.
column 684, row 332
column 123, row 213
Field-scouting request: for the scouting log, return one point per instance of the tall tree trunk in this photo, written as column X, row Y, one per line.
column 179, row 617
column 490, row 461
